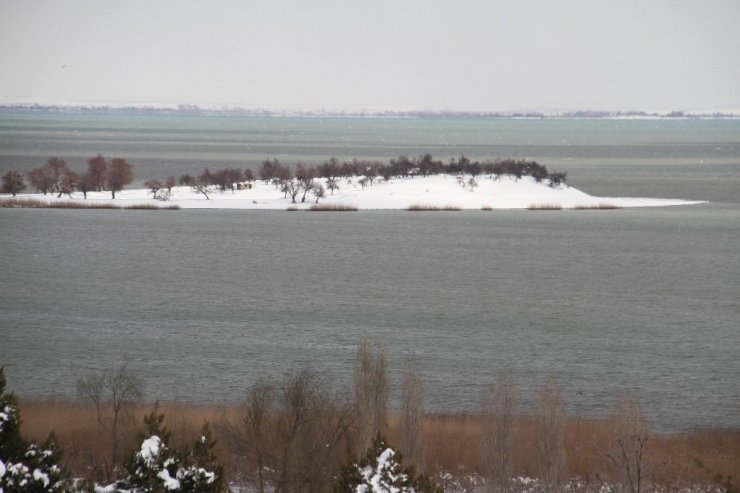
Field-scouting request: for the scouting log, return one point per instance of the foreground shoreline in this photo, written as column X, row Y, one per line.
column 452, row 442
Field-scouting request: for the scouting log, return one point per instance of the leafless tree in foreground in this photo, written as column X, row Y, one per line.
column 370, row 378
column 112, row 393
column 628, row 455
column 412, row 417
column 550, row 437
column 499, row 440
column 290, row 434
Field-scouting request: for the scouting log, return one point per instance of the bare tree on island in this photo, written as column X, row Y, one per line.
column 54, row 176
column 154, row 187
column 97, row 171
column 371, row 393
column 202, row 184
column 120, row 174
column 86, row 183
column 331, row 184
column 13, row 183
column 498, row 452
column 318, row 192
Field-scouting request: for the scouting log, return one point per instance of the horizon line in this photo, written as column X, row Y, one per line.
column 368, row 111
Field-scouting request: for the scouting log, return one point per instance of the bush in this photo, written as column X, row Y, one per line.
column 26, row 468
column 381, row 471
column 155, row 467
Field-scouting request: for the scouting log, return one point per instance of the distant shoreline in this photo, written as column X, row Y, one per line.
column 195, row 110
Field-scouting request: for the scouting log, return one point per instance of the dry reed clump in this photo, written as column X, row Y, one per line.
column 451, row 442
column 42, row 204
column 602, row 205
column 427, row 207
column 544, row 207
column 333, row 208
column 151, row 207
column 68, row 204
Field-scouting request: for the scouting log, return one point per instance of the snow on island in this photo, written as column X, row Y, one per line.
column 421, row 193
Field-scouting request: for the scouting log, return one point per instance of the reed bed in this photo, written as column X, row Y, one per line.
column 452, row 441
column 604, row 205
column 332, row 208
column 151, row 207
column 42, row 204
column 426, row 207
column 68, row 204
column 544, row 207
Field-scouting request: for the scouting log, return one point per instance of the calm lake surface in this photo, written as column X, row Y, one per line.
column 203, row 303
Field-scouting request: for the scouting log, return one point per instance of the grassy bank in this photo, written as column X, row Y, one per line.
column 452, row 442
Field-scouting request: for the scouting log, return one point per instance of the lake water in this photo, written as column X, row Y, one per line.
column 203, row 303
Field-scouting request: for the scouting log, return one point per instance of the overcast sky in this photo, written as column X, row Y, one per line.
column 344, row 54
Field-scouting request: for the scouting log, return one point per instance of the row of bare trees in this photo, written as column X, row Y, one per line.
column 405, row 167
column 56, row 177
column 500, row 443
column 222, row 179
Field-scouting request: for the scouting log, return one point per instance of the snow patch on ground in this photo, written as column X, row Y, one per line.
column 438, row 191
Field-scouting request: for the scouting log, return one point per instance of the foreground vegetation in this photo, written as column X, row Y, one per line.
column 295, row 434
column 452, row 444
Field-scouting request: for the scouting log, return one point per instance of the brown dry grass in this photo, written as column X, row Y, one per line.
column 42, row 204
column 452, row 441
column 602, row 205
column 332, row 208
column 152, row 207
column 67, row 204
column 544, row 207
column 426, row 207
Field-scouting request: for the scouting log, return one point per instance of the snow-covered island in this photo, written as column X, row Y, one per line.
column 423, row 193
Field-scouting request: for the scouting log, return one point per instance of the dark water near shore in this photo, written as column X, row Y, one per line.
column 205, row 302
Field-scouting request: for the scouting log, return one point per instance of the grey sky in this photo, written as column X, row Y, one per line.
column 344, row 54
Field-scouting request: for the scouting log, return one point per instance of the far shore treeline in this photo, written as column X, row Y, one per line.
column 56, row 177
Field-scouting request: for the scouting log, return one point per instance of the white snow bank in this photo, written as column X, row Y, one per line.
column 39, row 475
column 435, row 191
column 169, row 482
column 150, row 449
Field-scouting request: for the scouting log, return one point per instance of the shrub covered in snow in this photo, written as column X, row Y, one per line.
column 156, row 468
column 381, row 471
column 26, row 468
